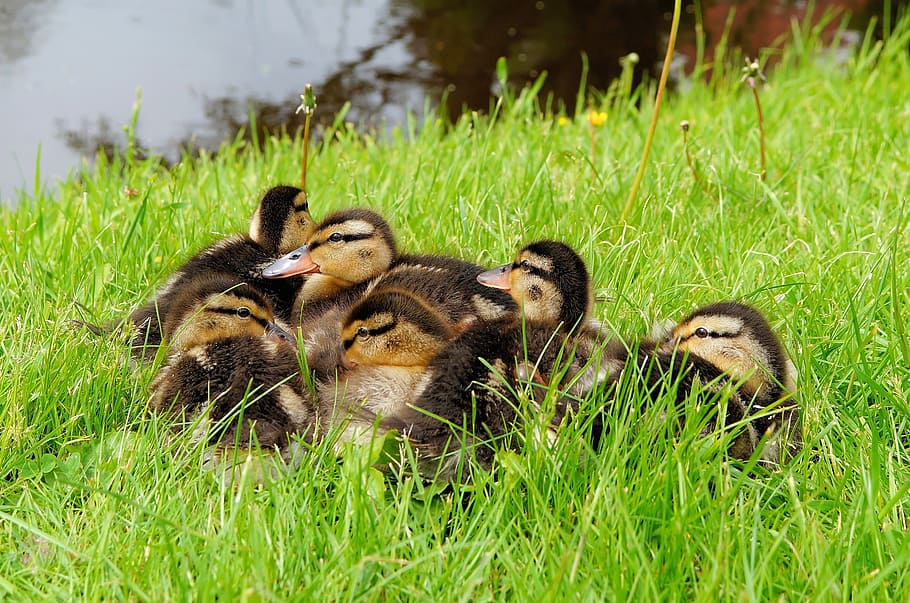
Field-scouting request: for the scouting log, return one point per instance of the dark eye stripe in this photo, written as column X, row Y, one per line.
column 532, row 269
column 344, row 238
column 383, row 329
column 233, row 311
column 377, row 331
column 713, row 335
column 303, row 207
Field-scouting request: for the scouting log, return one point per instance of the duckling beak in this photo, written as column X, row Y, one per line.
column 669, row 342
column 525, row 371
column 276, row 333
column 297, row 262
column 346, row 362
column 498, row 277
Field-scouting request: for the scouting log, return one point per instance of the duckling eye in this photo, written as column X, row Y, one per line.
column 701, row 332
column 525, row 265
column 244, row 312
column 363, row 332
column 336, row 237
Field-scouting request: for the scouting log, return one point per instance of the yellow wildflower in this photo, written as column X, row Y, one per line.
column 562, row 120
column 597, row 118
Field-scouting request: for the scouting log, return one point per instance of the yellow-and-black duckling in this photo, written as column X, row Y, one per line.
column 470, row 392
column 282, row 222
column 550, row 282
column 230, row 364
column 724, row 345
column 552, row 286
column 353, row 252
column 388, row 339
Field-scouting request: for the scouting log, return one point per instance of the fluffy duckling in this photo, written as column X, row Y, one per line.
column 737, row 340
column 550, row 282
column 552, row 286
column 280, row 223
column 725, row 345
column 388, row 339
column 232, row 364
column 353, row 252
column 471, row 391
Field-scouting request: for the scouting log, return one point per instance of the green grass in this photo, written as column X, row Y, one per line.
column 98, row 500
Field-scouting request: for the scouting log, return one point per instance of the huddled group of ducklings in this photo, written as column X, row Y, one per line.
column 452, row 357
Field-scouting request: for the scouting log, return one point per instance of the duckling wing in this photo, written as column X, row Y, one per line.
column 180, row 387
column 451, row 285
column 264, row 384
column 468, row 387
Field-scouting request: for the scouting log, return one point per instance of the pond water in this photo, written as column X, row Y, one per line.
column 70, row 70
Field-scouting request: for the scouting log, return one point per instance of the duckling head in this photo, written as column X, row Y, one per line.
column 350, row 247
column 738, row 340
column 549, row 281
column 393, row 327
column 221, row 308
column 282, row 221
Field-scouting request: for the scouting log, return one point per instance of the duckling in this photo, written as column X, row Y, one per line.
column 737, row 340
column 353, row 252
column 549, row 280
column 551, row 284
column 280, row 223
column 471, row 392
column 726, row 344
column 230, row 363
column 388, row 338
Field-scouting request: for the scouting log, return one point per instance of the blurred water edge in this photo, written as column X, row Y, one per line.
column 69, row 70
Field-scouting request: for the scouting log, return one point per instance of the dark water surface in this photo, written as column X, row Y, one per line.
column 70, row 70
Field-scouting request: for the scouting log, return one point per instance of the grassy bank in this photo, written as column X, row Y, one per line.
column 97, row 502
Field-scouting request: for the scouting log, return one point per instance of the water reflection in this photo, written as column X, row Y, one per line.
column 69, row 70
column 19, row 20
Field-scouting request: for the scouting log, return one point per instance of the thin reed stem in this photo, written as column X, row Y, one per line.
column 664, row 73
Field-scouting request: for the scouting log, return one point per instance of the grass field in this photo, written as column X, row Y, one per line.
column 98, row 500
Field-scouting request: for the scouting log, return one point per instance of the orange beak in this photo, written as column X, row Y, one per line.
column 347, row 363
column 297, row 262
column 498, row 277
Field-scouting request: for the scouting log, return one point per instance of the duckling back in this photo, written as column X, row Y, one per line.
column 450, row 285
